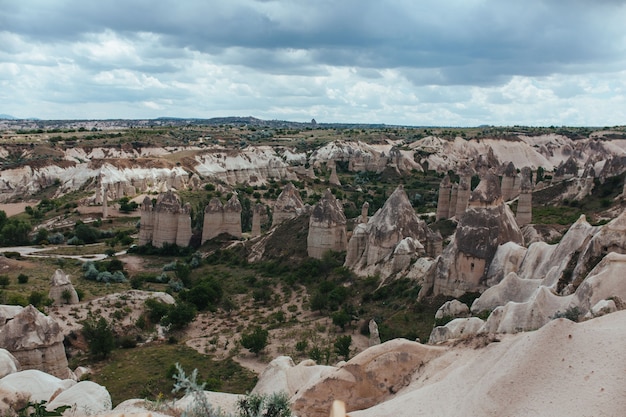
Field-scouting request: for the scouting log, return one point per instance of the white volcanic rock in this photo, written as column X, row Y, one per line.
column 369, row 378
column 222, row 218
column 223, row 401
column 452, row 308
column 603, row 307
column 456, row 328
column 610, row 238
column 281, row 374
column 86, row 398
column 36, row 341
column 59, row 284
column 562, row 369
column 8, row 363
column 253, row 165
column 513, row 317
column 508, row 258
column 385, row 233
column 606, row 280
column 39, row 385
column 7, row 312
column 511, row 288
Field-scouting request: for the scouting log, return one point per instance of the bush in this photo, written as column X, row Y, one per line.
column 4, row 281
column 256, row 405
column 99, row 336
column 179, row 315
column 256, row 340
column 22, row 279
column 342, row 346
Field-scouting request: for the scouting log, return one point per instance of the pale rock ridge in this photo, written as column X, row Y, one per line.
column 508, row 258
column 288, row 205
column 281, row 374
column 369, row 378
column 327, row 227
column 395, row 229
column 37, row 385
column 167, row 222
column 453, row 308
column 60, row 283
column 455, row 329
column 562, row 369
column 511, row 288
column 86, row 397
column 610, row 238
column 253, row 165
column 36, row 341
column 486, row 224
column 222, row 218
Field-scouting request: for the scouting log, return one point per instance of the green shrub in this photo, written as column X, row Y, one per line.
column 22, row 279
column 255, row 340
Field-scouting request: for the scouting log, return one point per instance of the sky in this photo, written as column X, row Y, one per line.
column 398, row 62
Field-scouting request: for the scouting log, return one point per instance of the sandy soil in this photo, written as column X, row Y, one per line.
column 11, row 209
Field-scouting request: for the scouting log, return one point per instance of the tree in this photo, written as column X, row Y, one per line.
column 179, row 315
column 342, row 346
column 100, row 337
column 86, row 233
column 256, row 340
column 126, row 206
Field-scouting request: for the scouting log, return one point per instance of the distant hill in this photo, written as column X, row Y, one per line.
column 7, row 117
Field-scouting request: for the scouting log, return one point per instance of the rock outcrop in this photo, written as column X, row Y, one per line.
column 288, row 205
column 8, row 363
column 486, row 224
column 61, row 289
column 510, row 182
column 167, row 222
column 369, row 378
column 222, row 218
column 282, row 374
column 395, row 230
column 36, row 341
column 455, row 329
column 327, row 227
column 443, row 200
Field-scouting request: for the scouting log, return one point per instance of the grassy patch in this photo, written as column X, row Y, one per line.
column 146, row 371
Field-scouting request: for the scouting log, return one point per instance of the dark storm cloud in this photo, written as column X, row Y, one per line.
column 466, row 42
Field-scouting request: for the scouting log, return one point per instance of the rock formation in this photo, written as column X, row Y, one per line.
column 288, row 205
column 369, row 378
column 487, row 223
column 166, row 222
column 456, row 328
column 395, row 229
column 281, row 374
column 61, row 289
column 524, row 203
column 327, row 227
column 374, row 338
column 452, row 308
column 259, row 217
column 36, row 342
column 364, row 213
column 509, row 178
column 333, row 179
column 443, row 201
column 454, row 194
column 222, row 218
column 8, row 363
column 463, row 194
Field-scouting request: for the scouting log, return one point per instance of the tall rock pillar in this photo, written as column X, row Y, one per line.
column 327, row 227
column 463, row 196
column 524, row 203
column 443, row 202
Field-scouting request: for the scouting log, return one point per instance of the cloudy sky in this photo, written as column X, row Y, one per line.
column 409, row 62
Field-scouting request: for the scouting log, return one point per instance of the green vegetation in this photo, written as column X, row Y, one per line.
column 134, row 373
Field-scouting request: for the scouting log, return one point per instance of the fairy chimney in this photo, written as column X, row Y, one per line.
column 327, row 227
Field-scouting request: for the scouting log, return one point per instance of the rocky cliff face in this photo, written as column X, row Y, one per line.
column 327, row 227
